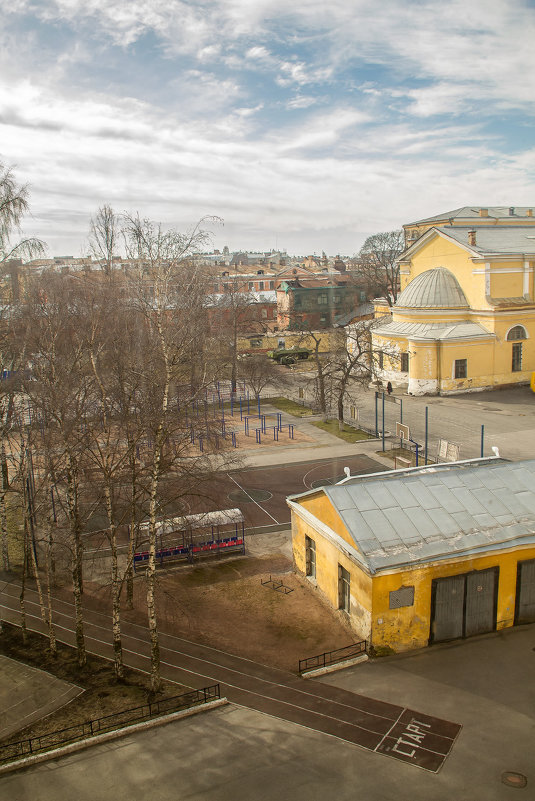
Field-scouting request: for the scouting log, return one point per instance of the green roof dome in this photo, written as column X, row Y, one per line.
column 434, row 289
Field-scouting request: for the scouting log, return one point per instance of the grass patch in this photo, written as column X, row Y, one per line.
column 290, row 406
column 103, row 694
column 348, row 433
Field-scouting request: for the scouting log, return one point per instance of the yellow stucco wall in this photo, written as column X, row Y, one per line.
column 330, row 340
column 321, row 507
column 409, row 627
column 328, row 558
column 440, row 252
column 507, row 284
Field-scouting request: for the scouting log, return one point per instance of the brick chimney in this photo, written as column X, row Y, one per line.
column 511, row 211
column 483, row 212
column 472, row 238
column 529, row 213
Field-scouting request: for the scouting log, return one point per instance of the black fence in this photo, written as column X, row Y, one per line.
column 332, row 657
column 118, row 720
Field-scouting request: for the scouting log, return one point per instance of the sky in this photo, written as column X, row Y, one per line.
column 301, row 125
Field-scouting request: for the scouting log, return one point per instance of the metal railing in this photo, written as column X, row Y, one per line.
column 332, row 657
column 118, row 720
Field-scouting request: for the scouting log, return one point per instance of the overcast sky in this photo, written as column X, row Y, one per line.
column 304, row 124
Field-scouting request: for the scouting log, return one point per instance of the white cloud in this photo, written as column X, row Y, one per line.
column 325, row 153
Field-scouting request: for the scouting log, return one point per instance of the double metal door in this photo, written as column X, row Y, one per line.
column 464, row 605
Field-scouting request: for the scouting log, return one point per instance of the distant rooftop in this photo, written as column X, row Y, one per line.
column 480, row 213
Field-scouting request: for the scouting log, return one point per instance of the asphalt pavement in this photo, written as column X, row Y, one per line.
column 236, row 754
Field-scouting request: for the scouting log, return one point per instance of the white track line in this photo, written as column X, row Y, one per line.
column 253, row 500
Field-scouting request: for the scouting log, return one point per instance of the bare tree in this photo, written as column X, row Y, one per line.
column 166, row 296
column 259, row 371
column 378, row 263
column 61, row 393
column 355, row 363
column 13, row 206
column 104, row 232
column 233, row 315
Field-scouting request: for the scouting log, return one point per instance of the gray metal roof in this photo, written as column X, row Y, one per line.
column 472, row 212
column 436, row 288
column 436, row 513
column 499, row 240
column 434, row 331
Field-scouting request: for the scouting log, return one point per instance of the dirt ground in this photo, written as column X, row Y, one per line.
column 225, row 604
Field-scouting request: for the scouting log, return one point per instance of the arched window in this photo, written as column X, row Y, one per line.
column 517, row 332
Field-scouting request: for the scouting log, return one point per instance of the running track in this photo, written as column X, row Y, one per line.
column 385, row 728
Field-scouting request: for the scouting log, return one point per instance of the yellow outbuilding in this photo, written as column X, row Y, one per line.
column 465, row 318
column 423, row 555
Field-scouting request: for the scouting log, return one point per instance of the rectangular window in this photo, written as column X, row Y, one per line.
column 344, row 588
column 251, row 285
column 310, row 557
column 272, row 284
column 362, row 296
column 260, row 285
column 322, row 300
column 404, row 363
column 460, row 368
column 517, row 357
column 264, row 314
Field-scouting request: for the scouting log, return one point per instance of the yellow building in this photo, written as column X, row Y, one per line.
column 423, row 555
column 465, row 318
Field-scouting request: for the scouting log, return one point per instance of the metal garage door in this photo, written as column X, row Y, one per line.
column 525, row 592
column 448, row 619
column 480, row 609
column 464, row 605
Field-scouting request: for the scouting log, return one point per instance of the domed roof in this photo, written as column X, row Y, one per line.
column 436, row 288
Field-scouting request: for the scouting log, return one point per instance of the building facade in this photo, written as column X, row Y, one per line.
column 465, row 318
column 423, row 555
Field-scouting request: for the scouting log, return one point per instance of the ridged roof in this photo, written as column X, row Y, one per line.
column 434, row 289
column 434, row 331
column 473, row 212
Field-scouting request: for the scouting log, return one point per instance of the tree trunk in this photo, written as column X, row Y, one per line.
column 155, row 679
column 76, row 565
column 132, row 534
column 3, row 510
column 22, row 596
column 52, row 644
column 115, row 590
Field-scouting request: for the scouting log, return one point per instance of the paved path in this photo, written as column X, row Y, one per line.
column 386, row 728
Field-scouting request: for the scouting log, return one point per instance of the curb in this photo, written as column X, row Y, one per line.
column 311, row 674
column 109, row 736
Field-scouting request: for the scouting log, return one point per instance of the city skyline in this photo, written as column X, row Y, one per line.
column 304, row 129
